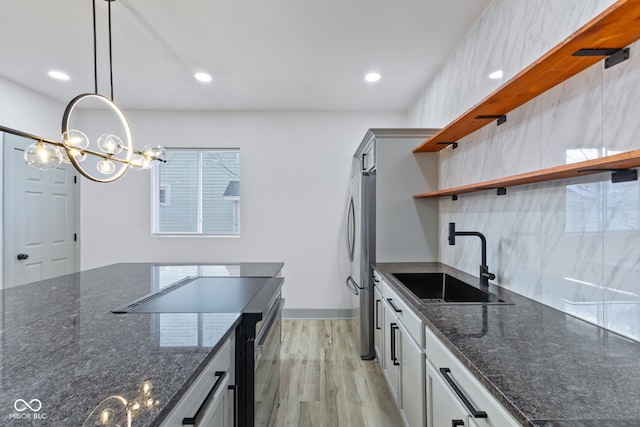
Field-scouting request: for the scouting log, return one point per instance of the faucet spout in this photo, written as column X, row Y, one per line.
column 485, row 275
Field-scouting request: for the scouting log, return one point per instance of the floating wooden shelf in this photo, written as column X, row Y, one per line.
column 628, row 160
column 615, row 28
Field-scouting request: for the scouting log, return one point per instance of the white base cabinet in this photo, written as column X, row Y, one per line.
column 454, row 396
column 391, row 359
column 217, row 410
column 411, row 380
column 378, row 325
column 402, row 357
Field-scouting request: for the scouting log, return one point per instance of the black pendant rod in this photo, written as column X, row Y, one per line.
column 110, row 54
column 95, row 51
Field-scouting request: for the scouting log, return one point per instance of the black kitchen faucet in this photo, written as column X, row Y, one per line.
column 485, row 275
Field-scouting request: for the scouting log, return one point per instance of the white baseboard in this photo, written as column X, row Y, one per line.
column 320, row 313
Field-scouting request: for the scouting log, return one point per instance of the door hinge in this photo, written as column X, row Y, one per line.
column 75, row 179
column 75, row 237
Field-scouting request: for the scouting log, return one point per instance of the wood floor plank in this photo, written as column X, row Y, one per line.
column 324, row 383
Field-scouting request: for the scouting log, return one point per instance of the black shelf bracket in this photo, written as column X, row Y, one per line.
column 502, row 191
column 501, row 118
column 614, row 56
column 453, row 145
column 617, row 175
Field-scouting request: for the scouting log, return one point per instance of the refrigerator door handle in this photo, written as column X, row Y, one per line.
column 353, row 286
column 351, row 229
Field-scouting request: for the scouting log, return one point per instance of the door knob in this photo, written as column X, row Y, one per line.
column 23, row 256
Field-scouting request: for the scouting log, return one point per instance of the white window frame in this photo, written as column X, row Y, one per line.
column 155, row 198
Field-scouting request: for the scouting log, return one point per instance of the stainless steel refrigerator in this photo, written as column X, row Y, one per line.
column 361, row 244
column 384, row 223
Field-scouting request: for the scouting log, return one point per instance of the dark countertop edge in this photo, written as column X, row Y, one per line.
column 164, row 413
column 385, row 270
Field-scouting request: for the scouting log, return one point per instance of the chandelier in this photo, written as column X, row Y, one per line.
column 110, row 154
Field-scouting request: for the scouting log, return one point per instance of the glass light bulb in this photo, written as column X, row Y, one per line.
column 106, row 167
column 140, row 162
column 110, row 144
column 42, row 156
column 154, row 152
column 77, row 154
column 75, row 139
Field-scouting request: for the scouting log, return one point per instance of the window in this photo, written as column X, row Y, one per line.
column 197, row 192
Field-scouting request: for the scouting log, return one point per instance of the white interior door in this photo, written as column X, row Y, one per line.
column 40, row 211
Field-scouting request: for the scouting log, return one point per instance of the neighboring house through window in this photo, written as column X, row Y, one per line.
column 197, row 192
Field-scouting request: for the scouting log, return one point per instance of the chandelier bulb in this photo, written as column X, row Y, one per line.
column 110, row 144
column 75, row 139
column 140, row 162
column 42, row 156
column 106, row 167
column 154, row 152
column 80, row 156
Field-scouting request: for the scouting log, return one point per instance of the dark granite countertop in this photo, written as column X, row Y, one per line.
column 62, row 346
column 546, row 367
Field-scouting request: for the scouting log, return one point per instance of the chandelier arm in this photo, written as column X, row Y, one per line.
column 59, row 144
column 29, row 136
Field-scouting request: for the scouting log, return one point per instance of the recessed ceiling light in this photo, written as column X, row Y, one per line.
column 496, row 75
column 203, row 77
column 59, row 75
column 372, row 77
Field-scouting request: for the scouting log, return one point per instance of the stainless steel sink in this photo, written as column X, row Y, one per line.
column 442, row 288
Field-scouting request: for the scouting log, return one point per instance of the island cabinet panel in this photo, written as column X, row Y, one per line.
column 454, row 395
column 209, row 400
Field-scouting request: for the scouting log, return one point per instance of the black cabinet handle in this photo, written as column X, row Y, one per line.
column 455, row 423
column 23, row 256
column 476, row 414
column 396, row 309
column 394, row 356
column 377, row 313
column 195, row 420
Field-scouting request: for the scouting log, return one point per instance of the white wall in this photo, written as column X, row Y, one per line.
column 30, row 112
column 295, row 170
column 539, row 243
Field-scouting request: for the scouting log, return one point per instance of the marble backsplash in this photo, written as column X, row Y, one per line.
column 571, row 244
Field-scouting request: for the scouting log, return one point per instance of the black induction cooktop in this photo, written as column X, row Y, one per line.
column 199, row 295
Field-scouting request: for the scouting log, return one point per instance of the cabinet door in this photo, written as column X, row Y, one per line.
column 443, row 406
column 392, row 359
column 378, row 324
column 218, row 412
column 411, row 379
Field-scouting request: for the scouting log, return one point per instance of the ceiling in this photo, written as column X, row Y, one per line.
column 262, row 54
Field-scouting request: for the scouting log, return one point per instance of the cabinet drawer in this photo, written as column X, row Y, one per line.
column 217, row 371
column 404, row 313
column 449, row 368
column 377, row 280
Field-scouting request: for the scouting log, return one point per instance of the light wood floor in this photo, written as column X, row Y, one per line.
column 323, row 382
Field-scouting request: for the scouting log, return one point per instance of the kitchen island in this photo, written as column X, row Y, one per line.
column 547, row 368
column 64, row 352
